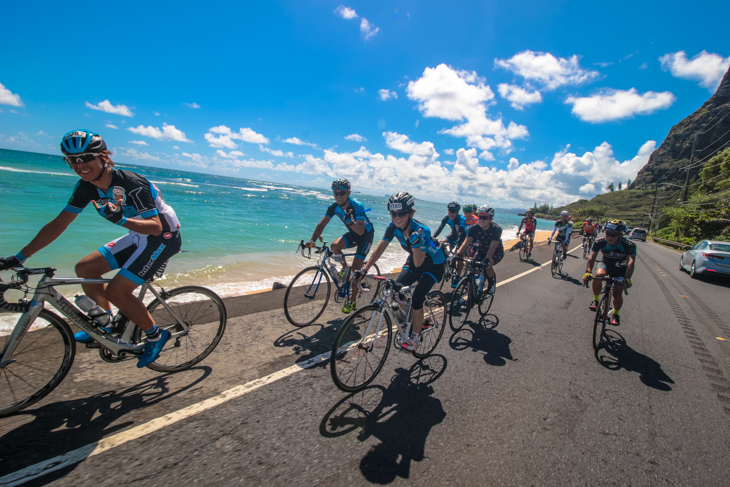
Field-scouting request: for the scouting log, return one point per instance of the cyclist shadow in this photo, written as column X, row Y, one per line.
column 401, row 417
column 67, row 425
column 614, row 354
column 311, row 340
column 482, row 336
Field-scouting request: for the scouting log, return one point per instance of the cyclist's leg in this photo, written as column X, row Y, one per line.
column 338, row 246
column 426, row 281
column 532, row 240
column 600, row 273
column 364, row 244
column 491, row 275
column 94, row 266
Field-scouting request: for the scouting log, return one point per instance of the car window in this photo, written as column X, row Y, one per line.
column 703, row 245
column 720, row 247
column 698, row 245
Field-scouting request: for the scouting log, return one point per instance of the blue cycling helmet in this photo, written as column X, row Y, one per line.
column 82, row 142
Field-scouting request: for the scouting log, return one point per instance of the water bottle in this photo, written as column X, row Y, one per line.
column 97, row 313
column 334, row 270
column 398, row 312
column 480, row 282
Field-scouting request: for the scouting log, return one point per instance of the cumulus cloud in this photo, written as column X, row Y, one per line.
column 230, row 155
column 446, row 93
column 107, row 107
column 518, row 97
column 138, row 142
column 346, row 12
column 168, row 132
column 706, row 68
column 610, row 105
column 367, row 30
column 223, row 137
column 111, row 126
column 20, row 139
column 588, row 188
column 193, row 105
column 356, row 138
column 403, row 144
column 276, row 152
column 386, row 95
column 546, row 69
column 9, row 98
column 298, row 141
column 134, row 154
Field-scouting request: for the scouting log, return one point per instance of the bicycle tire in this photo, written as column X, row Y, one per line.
column 203, row 311
column 356, row 359
column 363, row 299
column 39, row 351
column 447, row 277
column 554, row 264
column 599, row 322
column 486, row 299
column 300, row 307
column 434, row 309
column 461, row 304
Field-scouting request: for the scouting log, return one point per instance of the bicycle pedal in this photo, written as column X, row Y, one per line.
column 93, row 345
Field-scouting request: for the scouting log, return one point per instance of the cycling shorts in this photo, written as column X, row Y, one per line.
column 612, row 270
column 362, row 242
column 426, row 275
column 531, row 232
column 496, row 257
column 139, row 257
column 561, row 239
column 453, row 238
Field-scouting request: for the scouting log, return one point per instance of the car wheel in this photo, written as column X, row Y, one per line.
column 681, row 265
column 692, row 272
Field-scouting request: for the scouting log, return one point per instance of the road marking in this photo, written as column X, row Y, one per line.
column 721, row 339
column 78, row 455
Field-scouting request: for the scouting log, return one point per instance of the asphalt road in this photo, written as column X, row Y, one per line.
column 517, row 399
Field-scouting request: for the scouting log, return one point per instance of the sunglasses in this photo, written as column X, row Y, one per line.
column 452, row 211
column 612, row 234
column 485, row 217
column 79, row 158
column 399, row 214
column 340, row 193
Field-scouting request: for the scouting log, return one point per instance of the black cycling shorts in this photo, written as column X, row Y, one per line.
column 138, row 257
column 427, row 275
column 362, row 242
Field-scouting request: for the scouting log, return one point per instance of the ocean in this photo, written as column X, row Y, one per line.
column 239, row 235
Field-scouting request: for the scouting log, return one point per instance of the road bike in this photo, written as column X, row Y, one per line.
column 450, row 272
column 604, row 310
column 524, row 247
column 38, row 353
column 470, row 291
column 588, row 245
column 309, row 292
column 556, row 266
column 363, row 342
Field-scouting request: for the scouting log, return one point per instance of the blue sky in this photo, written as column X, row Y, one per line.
column 504, row 103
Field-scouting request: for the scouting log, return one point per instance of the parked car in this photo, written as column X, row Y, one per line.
column 707, row 257
column 638, row 234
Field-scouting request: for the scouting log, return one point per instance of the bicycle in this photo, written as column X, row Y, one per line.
column 304, row 302
column 556, row 265
column 468, row 293
column 35, row 361
column 363, row 342
column 588, row 245
column 603, row 315
column 524, row 247
column 450, row 272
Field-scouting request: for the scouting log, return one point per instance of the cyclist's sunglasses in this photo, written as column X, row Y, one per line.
column 452, row 211
column 485, row 217
column 612, row 234
column 340, row 193
column 399, row 214
column 78, row 158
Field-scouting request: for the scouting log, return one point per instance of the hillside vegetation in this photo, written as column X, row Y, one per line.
column 628, row 205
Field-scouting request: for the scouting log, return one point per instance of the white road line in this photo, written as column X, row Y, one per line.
column 43, row 468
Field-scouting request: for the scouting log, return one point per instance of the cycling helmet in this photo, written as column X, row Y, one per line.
column 401, row 201
column 529, row 211
column 589, row 220
column 340, row 184
column 487, row 210
column 82, row 142
column 564, row 213
column 453, row 206
column 616, row 226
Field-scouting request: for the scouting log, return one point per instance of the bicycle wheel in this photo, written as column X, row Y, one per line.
column 599, row 322
column 360, row 349
column 307, row 296
column 486, row 299
column 448, row 275
column 554, row 264
column 434, row 312
column 461, row 304
column 41, row 361
column 586, row 251
column 202, row 311
column 371, row 287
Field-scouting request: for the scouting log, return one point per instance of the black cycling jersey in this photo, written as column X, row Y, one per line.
column 481, row 240
column 615, row 257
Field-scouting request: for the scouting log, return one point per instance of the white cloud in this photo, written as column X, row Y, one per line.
column 111, row 126
column 588, row 188
column 546, row 69
column 226, row 137
column 139, row 142
column 229, row 155
column 9, row 98
column 403, row 144
column 107, row 107
column 20, row 139
column 346, row 12
column 706, row 68
column 276, row 152
column 223, row 141
column 611, row 105
column 519, row 97
column 368, row 30
column 387, row 94
column 193, row 105
column 168, row 132
column 134, row 154
column 298, row 141
column 513, row 164
column 356, row 138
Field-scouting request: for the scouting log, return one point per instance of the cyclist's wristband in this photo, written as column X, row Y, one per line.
column 20, row 257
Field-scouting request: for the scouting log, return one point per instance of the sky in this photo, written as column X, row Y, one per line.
column 500, row 103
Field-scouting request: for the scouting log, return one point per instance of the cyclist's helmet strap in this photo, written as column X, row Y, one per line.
column 82, row 142
column 340, row 184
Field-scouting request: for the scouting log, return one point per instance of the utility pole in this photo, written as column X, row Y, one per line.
column 691, row 157
column 642, row 216
column 653, row 206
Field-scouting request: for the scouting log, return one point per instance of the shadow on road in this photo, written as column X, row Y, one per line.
column 310, row 340
column 483, row 337
column 60, row 427
column 614, row 354
column 401, row 417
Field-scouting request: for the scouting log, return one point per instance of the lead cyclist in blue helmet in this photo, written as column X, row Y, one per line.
column 128, row 200
column 360, row 232
column 425, row 262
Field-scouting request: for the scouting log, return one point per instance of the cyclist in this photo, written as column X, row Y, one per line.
column 485, row 240
column 425, row 262
column 563, row 227
column 457, row 223
column 126, row 199
column 619, row 256
column 590, row 231
column 360, row 232
column 471, row 218
column 530, row 224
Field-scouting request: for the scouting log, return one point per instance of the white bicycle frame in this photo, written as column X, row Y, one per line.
column 384, row 307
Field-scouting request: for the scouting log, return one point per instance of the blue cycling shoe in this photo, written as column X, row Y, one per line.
column 152, row 350
column 83, row 337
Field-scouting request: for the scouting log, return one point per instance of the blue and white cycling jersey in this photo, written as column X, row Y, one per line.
column 355, row 212
column 458, row 227
column 420, row 237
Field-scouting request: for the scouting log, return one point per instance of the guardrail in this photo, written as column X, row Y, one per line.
column 670, row 243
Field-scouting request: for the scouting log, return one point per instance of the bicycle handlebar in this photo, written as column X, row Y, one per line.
column 22, row 273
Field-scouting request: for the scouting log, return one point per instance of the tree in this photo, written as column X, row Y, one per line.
column 610, row 187
column 619, row 185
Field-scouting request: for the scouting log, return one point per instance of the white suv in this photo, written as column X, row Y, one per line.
column 638, row 234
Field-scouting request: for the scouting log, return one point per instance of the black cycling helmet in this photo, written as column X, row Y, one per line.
column 453, row 206
column 401, row 201
column 616, row 226
column 82, row 142
column 486, row 210
column 340, row 184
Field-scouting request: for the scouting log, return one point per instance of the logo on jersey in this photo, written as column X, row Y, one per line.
column 168, row 235
column 110, row 244
column 119, row 194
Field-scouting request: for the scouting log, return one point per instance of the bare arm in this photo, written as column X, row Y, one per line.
column 492, row 248
column 320, row 228
column 148, row 226
column 357, row 227
column 630, row 267
column 50, row 232
column 376, row 254
column 467, row 241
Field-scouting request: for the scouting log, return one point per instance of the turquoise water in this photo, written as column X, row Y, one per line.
column 239, row 235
